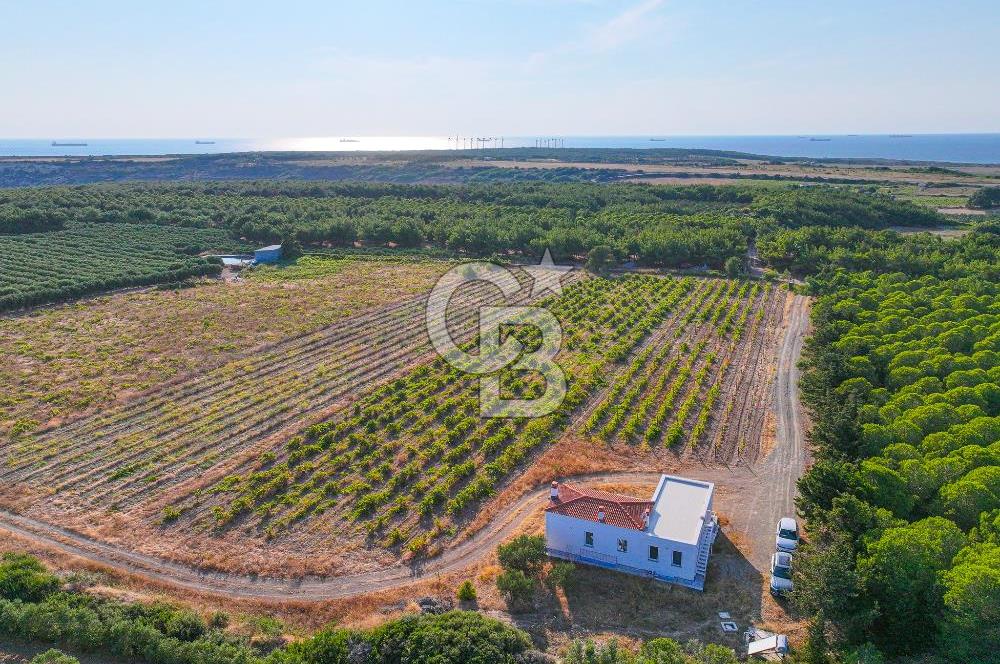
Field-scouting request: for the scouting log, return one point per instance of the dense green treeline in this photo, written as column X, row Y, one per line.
column 811, row 249
column 657, row 225
column 903, row 502
column 836, row 208
column 47, row 231
column 35, row 607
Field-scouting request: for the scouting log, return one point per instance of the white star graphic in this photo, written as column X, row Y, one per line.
column 547, row 276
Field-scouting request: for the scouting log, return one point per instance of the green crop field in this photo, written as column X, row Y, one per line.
column 85, row 258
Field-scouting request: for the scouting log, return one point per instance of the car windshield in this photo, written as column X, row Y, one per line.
column 788, row 534
column 783, row 572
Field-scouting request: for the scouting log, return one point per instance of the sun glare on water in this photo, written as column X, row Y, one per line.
column 345, row 143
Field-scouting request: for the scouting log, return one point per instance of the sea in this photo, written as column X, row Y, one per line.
column 953, row 148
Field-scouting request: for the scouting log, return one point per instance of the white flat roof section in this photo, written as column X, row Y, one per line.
column 679, row 506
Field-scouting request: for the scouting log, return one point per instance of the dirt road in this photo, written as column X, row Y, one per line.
column 754, row 497
column 779, row 471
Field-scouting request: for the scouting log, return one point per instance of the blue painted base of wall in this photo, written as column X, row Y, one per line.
column 697, row 583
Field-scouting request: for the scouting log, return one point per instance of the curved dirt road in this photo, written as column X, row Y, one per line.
column 759, row 495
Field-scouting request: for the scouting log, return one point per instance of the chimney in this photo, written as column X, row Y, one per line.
column 600, row 514
column 645, row 519
column 554, row 491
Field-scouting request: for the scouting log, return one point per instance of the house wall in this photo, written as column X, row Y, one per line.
column 566, row 533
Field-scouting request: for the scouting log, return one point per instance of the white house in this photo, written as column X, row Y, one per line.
column 668, row 538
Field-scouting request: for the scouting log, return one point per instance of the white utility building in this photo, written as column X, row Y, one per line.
column 667, row 538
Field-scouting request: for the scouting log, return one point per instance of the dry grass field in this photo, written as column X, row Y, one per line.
column 59, row 362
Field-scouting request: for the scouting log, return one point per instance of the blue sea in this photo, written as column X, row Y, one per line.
column 956, row 148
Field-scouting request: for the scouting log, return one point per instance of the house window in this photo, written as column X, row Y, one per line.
column 677, row 557
column 588, row 539
column 623, row 545
column 654, row 553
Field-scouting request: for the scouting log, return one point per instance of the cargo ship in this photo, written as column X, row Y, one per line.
column 57, row 144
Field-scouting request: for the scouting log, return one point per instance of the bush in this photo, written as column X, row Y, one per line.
column 733, row 266
column 54, row 656
column 467, row 592
column 525, row 553
column 185, row 625
column 23, row 577
column 588, row 652
column 170, row 514
column 562, row 575
column 600, row 259
column 516, row 586
column 329, row 646
column 219, row 620
column 456, row 637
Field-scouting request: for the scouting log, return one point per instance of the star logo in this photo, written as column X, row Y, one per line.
column 546, row 276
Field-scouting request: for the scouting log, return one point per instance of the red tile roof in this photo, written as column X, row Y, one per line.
column 619, row 510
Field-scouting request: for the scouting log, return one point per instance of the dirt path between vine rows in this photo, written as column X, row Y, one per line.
column 754, row 496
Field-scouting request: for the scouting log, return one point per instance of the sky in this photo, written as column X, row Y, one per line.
column 496, row 67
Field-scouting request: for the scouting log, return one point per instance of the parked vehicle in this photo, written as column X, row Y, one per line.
column 781, row 573
column 787, row 535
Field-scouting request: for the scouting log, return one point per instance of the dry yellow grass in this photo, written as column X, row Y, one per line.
column 59, row 362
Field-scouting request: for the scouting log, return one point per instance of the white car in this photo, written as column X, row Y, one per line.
column 787, row 535
column 781, row 573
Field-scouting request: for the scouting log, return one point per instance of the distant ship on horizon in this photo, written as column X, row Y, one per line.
column 57, row 144
column 820, row 139
column 657, row 139
column 349, row 140
column 204, row 142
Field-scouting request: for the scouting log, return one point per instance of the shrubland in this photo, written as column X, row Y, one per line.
column 36, row 606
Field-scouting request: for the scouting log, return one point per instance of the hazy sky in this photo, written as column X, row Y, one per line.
column 593, row 67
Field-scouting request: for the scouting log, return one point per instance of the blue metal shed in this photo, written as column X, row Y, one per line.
column 271, row 254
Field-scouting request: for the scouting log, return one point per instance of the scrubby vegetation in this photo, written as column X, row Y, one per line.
column 985, row 198
column 35, row 607
column 401, row 167
column 656, row 651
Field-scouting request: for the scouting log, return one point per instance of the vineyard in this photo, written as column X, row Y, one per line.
column 356, row 432
column 667, row 394
column 120, row 457
column 37, row 268
column 408, row 463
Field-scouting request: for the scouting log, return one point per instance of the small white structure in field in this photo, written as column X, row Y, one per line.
column 667, row 538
